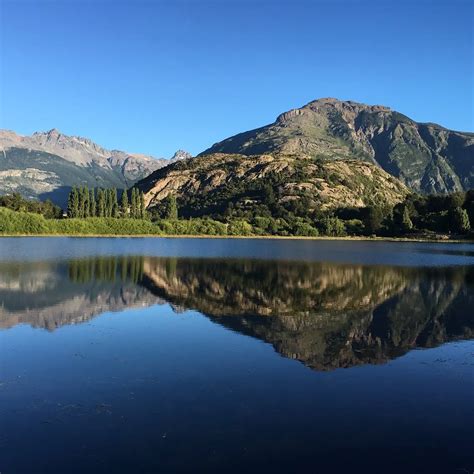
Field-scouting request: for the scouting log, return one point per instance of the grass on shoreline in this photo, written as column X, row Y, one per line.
column 25, row 224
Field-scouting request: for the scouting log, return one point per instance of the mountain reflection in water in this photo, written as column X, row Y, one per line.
column 324, row 315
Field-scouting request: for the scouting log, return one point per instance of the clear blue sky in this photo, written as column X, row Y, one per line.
column 154, row 76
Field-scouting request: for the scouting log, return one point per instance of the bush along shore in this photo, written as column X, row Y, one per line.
column 102, row 213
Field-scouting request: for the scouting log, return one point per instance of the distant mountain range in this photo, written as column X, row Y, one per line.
column 424, row 156
column 48, row 164
column 330, row 152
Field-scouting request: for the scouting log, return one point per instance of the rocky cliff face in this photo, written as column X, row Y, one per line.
column 209, row 182
column 181, row 155
column 48, row 164
column 426, row 157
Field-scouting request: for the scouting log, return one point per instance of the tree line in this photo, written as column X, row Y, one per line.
column 16, row 202
column 261, row 210
column 417, row 215
column 84, row 202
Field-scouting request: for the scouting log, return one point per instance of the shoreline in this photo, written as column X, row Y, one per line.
column 258, row 237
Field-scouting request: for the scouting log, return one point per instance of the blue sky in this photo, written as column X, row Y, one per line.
column 155, row 76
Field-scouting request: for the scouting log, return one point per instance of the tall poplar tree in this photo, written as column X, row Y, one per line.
column 69, row 204
column 80, row 205
column 108, row 203
column 92, row 203
column 115, row 206
column 81, row 202
column 142, row 206
column 101, row 203
column 133, row 208
column 85, row 200
column 172, row 207
column 124, row 204
column 73, row 203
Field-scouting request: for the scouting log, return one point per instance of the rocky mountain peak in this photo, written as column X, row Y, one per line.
column 181, row 155
column 344, row 105
column 53, row 134
column 427, row 158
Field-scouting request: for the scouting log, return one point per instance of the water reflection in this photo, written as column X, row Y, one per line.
column 325, row 315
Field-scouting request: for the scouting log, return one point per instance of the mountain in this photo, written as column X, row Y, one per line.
column 48, row 164
column 424, row 156
column 206, row 185
column 181, row 155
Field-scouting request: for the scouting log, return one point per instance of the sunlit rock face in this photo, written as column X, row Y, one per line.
column 424, row 156
column 210, row 182
column 325, row 315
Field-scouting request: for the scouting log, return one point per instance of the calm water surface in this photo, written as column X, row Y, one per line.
column 214, row 355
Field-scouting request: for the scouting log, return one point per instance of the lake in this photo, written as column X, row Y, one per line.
column 161, row 355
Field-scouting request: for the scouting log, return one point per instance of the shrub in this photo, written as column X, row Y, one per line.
column 332, row 226
column 239, row 227
column 354, row 226
column 373, row 219
column 12, row 222
column 191, row 227
column 460, row 221
column 16, row 202
column 302, row 228
column 106, row 226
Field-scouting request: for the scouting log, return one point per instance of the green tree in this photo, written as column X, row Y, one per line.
column 73, row 203
column 92, row 203
column 143, row 214
column 80, row 205
column 402, row 219
column 85, row 201
column 101, row 203
column 268, row 195
column 172, row 207
column 455, row 200
column 114, row 203
column 460, row 221
column 300, row 227
column 124, row 204
column 108, row 203
column 333, row 227
column 373, row 219
column 470, row 211
column 239, row 227
column 407, row 224
column 70, row 203
column 133, row 204
column 81, row 202
column 15, row 202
